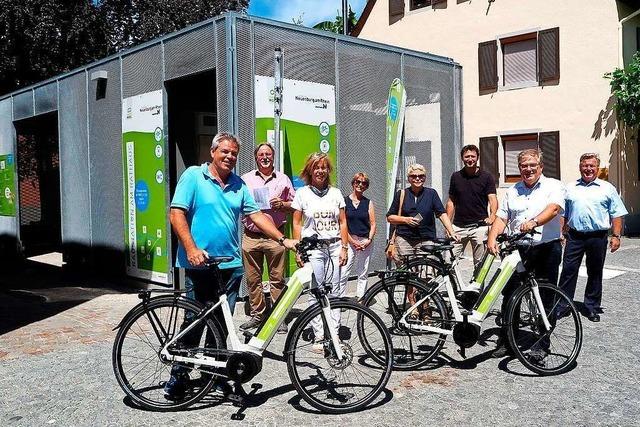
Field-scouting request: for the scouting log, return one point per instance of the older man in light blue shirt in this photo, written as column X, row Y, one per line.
column 593, row 206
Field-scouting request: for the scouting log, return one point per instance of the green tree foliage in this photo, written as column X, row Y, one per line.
column 42, row 38
column 335, row 26
column 625, row 86
column 131, row 22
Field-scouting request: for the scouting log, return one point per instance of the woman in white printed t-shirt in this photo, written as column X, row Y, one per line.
column 319, row 209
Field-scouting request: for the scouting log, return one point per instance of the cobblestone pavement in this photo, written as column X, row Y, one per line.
column 55, row 369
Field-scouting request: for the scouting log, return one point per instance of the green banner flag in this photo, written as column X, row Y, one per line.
column 395, row 120
column 7, row 185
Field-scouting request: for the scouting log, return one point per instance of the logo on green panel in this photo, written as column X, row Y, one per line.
column 157, row 134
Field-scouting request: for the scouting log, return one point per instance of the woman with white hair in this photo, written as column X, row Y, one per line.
column 415, row 221
column 413, row 213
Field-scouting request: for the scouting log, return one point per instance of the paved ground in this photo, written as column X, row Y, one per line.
column 55, row 368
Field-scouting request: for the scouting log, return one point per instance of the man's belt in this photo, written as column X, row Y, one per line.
column 594, row 233
column 259, row 235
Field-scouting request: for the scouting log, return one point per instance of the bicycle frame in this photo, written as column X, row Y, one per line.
column 301, row 279
column 510, row 264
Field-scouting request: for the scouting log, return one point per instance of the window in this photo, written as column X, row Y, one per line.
column 519, row 63
column 418, row 4
column 511, row 145
column 526, row 59
column 396, row 7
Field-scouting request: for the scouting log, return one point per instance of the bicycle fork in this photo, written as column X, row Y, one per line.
column 331, row 326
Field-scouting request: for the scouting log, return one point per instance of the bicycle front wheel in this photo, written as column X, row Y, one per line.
column 545, row 352
column 143, row 372
column 333, row 385
column 390, row 299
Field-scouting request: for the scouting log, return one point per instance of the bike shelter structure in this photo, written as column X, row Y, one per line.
column 118, row 133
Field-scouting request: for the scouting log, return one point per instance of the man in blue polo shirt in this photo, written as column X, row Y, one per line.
column 205, row 211
column 593, row 206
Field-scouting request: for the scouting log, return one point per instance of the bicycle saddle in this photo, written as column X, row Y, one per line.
column 431, row 248
column 215, row 260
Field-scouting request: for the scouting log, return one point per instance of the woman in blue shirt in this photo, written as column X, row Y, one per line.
column 416, row 225
column 361, row 224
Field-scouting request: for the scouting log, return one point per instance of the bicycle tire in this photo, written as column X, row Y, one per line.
column 137, row 349
column 543, row 353
column 412, row 349
column 315, row 376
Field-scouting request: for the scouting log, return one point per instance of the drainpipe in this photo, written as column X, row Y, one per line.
column 621, row 174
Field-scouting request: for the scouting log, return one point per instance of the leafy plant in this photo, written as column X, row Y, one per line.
column 335, row 26
column 625, row 86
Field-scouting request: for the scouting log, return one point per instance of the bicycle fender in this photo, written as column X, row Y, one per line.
column 146, row 301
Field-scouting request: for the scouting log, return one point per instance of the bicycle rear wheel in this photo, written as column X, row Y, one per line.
column 339, row 386
column 544, row 352
column 390, row 299
column 143, row 372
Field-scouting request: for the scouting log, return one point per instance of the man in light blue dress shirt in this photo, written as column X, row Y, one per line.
column 592, row 207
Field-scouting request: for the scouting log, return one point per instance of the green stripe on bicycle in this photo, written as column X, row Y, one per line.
column 287, row 300
column 496, row 287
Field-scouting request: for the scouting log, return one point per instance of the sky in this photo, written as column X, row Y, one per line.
column 312, row 11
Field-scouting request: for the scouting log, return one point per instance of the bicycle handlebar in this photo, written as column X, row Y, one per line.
column 310, row 243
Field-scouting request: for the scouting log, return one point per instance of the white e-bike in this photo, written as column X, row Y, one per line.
column 169, row 333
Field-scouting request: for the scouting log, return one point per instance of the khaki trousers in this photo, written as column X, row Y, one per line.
column 255, row 249
column 475, row 236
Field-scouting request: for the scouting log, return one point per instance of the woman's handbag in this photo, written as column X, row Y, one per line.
column 390, row 250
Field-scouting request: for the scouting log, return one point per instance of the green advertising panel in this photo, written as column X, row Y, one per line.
column 307, row 125
column 7, row 185
column 395, row 120
column 144, row 160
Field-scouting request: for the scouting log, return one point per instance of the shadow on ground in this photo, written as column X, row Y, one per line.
column 39, row 291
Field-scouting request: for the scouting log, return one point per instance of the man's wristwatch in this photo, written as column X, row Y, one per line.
column 617, row 236
column 281, row 240
column 536, row 221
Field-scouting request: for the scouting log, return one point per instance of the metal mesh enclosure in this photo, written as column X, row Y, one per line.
column 23, row 105
column 430, row 89
column 8, row 224
column 239, row 48
column 362, row 109
column 222, row 76
column 307, row 57
column 74, row 161
column 105, row 161
column 189, row 53
column 142, row 71
column 246, row 123
column 46, row 98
